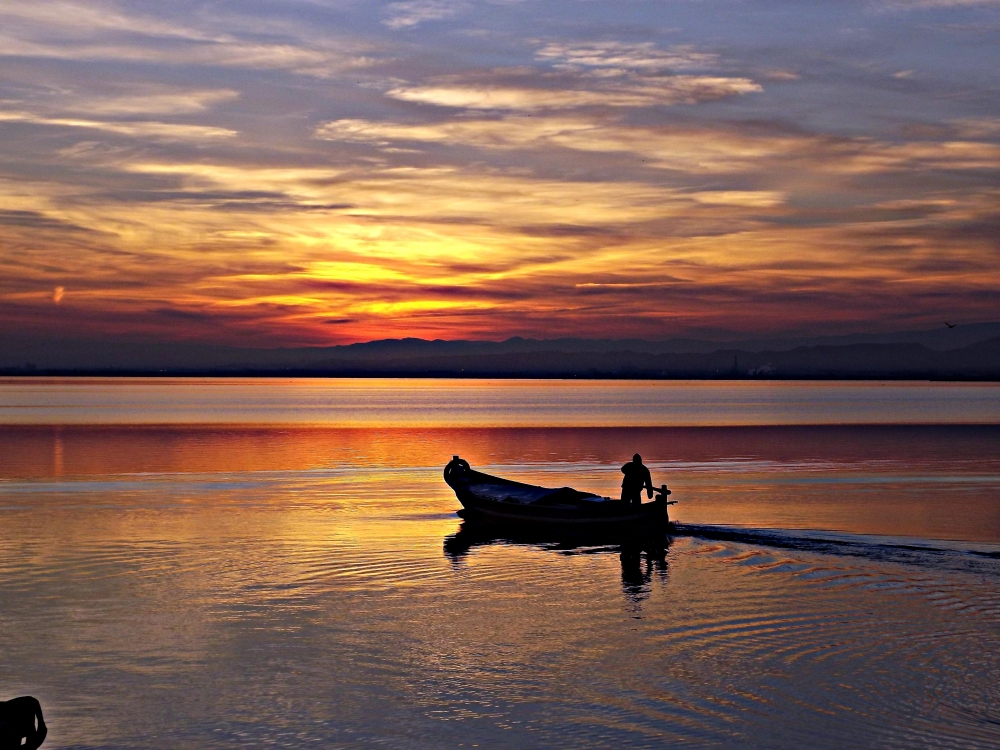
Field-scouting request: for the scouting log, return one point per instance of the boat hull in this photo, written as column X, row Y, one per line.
column 647, row 514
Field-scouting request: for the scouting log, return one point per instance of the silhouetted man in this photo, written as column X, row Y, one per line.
column 636, row 477
column 18, row 722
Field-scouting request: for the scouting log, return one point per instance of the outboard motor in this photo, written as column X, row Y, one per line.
column 661, row 497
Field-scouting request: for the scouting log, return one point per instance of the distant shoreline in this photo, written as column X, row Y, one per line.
column 461, row 375
column 972, row 355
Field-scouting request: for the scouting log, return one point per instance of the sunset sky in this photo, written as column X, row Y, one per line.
column 311, row 172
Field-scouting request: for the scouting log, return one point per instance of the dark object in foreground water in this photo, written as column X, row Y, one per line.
column 17, row 724
column 504, row 501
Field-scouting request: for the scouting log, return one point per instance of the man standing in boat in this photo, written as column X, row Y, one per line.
column 636, row 478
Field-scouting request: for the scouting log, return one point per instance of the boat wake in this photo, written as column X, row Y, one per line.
column 940, row 554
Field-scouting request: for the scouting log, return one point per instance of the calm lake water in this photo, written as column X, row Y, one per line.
column 252, row 563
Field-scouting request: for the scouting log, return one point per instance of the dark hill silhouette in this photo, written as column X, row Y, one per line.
column 518, row 357
column 980, row 360
column 859, row 360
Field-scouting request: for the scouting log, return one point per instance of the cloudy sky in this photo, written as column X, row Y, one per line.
column 295, row 172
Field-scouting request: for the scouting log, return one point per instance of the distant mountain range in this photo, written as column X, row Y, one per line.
column 964, row 352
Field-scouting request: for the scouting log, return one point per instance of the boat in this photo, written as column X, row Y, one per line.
column 488, row 498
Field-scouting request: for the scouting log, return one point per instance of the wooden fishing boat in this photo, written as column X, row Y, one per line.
column 490, row 498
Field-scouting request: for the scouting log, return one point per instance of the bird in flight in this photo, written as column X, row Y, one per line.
column 950, row 325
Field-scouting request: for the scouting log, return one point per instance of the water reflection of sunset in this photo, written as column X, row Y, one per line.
column 865, row 479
